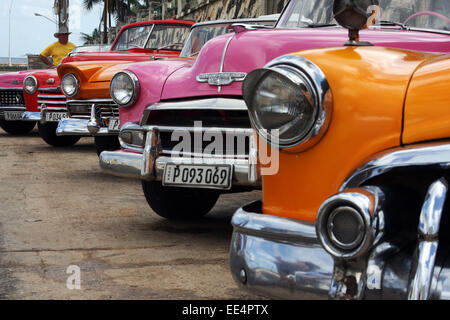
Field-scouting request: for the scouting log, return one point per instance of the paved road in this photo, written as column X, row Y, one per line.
column 58, row 209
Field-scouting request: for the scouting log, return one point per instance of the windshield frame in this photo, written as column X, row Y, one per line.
column 181, row 24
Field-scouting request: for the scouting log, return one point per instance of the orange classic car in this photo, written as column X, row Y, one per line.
column 85, row 79
column 355, row 178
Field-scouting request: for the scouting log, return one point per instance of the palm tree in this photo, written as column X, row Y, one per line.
column 91, row 38
column 120, row 8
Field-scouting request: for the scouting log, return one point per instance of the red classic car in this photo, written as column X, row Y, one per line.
column 181, row 117
column 48, row 105
column 12, row 103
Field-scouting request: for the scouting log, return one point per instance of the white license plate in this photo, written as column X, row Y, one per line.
column 210, row 176
column 56, row 116
column 114, row 125
column 13, row 115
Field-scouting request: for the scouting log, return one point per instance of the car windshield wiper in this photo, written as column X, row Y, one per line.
column 393, row 23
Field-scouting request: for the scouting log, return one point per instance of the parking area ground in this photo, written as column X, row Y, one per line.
column 57, row 209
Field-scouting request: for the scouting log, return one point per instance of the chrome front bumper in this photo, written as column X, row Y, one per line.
column 135, row 165
column 79, row 127
column 282, row 258
column 278, row 257
column 90, row 124
column 149, row 163
column 31, row 116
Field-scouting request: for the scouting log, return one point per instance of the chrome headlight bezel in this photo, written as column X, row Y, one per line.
column 133, row 81
column 32, row 78
column 366, row 204
column 299, row 71
column 77, row 85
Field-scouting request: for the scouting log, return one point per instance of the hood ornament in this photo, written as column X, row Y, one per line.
column 221, row 78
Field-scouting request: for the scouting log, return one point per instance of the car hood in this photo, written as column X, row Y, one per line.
column 14, row 79
column 252, row 49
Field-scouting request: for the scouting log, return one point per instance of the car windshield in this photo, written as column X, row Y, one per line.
column 203, row 33
column 153, row 36
column 421, row 14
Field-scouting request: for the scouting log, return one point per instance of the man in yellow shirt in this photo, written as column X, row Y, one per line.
column 59, row 49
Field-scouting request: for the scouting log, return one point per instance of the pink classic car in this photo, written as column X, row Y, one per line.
column 46, row 102
column 185, row 128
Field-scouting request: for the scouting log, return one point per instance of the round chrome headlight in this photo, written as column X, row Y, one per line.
column 289, row 101
column 70, row 85
column 124, row 88
column 350, row 222
column 30, row 85
column 345, row 227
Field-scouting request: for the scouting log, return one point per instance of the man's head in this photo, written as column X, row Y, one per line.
column 62, row 35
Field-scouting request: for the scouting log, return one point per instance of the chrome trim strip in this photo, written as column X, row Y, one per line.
column 225, row 104
column 11, row 89
column 12, row 108
column 253, row 170
column 47, row 96
column 51, row 102
column 202, row 129
column 426, row 251
column 50, row 89
column 222, row 62
column 423, row 155
column 278, row 257
column 90, row 101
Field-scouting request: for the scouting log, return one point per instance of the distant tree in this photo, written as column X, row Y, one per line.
column 91, row 38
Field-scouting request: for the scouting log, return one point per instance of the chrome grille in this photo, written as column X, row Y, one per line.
column 51, row 97
column 11, row 98
column 81, row 109
column 231, row 127
column 109, row 111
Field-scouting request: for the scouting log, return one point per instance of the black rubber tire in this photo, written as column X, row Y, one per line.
column 17, row 127
column 175, row 203
column 106, row 143
column 48, row 134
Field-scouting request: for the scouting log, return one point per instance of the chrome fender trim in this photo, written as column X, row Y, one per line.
column 423, row 155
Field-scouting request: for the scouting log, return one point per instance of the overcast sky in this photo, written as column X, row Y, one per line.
column 31, row 34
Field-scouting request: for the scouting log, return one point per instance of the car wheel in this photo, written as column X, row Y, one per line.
column 179, row 203
column 17, row 127
column 48, row 133
column 106, row 143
